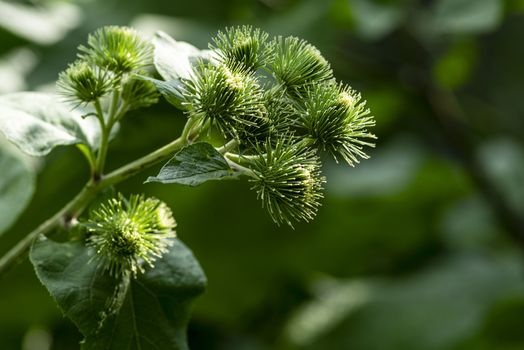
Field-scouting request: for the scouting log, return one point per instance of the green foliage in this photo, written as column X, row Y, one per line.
column 17, row 184
column 390, row 227
column 175, row 59
column 194, row 165
column 149, row 312
column 38, row 122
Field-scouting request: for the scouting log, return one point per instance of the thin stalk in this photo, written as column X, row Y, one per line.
column 106, row 131
column 230, row 145
column 243, row 170
column 100, row 114
column 113, row 107
column 140, row 164
column 71, row 209
column 102, row 152
column 242, row 158
column 75, row 207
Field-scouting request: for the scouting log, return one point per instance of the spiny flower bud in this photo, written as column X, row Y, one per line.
column 118, row 49
column 243, row 45
column 278, row 112
column 83, row 83
column 336, row 121
column 229, row 98
column 288, row 181
column 128, row 234
column 298, row 64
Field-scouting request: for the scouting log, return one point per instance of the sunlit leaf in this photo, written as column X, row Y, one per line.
column 17, row 184
column 38, row 122
column 176, row 59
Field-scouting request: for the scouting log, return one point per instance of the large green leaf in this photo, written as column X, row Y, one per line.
column 176, row 59
column 194, row 165
column 17, row 184
column 149, row 312
column 38, row 122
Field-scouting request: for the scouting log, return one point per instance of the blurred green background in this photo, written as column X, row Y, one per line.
column 418, row 248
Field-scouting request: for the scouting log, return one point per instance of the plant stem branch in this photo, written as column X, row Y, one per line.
column 228, row 146
column 102, row 152
column 71, row 209
column 140, row 164
column 75, row 207
column 106, row 126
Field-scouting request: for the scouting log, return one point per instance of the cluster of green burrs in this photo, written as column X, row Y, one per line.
column 109, row 62
column 104, row 82
column 278, row 99
column 274, row 102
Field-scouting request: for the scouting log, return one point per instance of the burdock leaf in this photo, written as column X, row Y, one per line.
column 194, row 165
column 38, row 122
column 149, row 312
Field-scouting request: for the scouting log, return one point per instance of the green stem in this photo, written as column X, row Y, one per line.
column 75, row 207
column 243, row 170
column 228, row 146
column 242, row 158
column 70, row 210
column 102, row 152
column 100, row 114
column 104, row 137
column 194, row 128
column 106, row 127
column 140, row 164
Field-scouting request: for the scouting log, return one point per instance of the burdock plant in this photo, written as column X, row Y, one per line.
column 261, row 108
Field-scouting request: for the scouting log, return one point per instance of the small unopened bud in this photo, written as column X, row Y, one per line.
column 83, row 83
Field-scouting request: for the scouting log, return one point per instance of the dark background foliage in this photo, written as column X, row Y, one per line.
column 419, row 247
